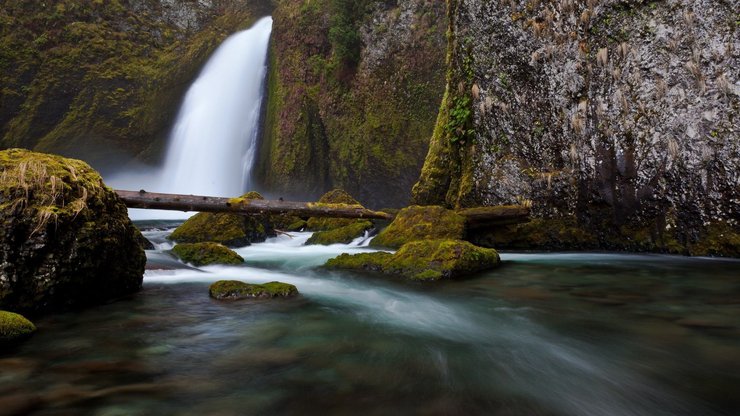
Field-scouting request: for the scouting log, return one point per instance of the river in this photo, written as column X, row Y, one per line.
column 545, row 334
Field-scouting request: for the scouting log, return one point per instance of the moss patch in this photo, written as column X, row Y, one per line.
column 14, row 327
column 718, row 239
column 421, row 223
column 342, row 235
column 423, row 260
column 334, row 197
column 204, row 254
column 236, row 290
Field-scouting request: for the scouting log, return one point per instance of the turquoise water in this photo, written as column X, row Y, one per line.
column 546, row 334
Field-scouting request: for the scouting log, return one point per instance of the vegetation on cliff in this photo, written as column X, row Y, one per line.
column 353, row 92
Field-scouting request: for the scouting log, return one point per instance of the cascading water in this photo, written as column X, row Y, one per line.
column 212, row 145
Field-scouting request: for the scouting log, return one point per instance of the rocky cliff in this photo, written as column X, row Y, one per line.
column 354, row 89
column 102, row 79
column 616, row 119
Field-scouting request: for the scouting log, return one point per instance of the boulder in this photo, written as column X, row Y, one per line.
column 230, row 230
column 423, row 260
column 334, row 197
column 204, row 254
column 14, row 328
column 65, row 238
column 236, row 290
column 342, row 235
column 421, row 223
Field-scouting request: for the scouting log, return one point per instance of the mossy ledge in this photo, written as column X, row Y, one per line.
column 14, row 328
column 342, row 235
column 204, row 254
column 236, row 290
column 423, row 260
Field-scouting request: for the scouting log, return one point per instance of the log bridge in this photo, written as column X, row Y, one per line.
column 475, row 217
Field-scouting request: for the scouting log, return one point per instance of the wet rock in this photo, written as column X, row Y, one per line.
column 230, row 230
column 236, row 290
column 421, row 223
column 65, row 238
column 14, row 328
column 342, row 235
column 423, row 260
column 204, row 254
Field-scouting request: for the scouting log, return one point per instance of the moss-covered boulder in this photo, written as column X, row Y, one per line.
column 14, row 328
column 204, row 254
column 236, row 290
column 230, row 230
column 334, row 197
column 65, row 238
column 423, row 260
column 421, row 223
column 342, row 235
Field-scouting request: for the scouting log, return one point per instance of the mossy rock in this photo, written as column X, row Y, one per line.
column 334, row 197
column 297, row 226
column 66, row 240
column 236, row 290
column 421, row 223
column 372, row 262
column 342, row 235
column 230, row 230
column 423, row 260
column 14, row 328
column 204, row 254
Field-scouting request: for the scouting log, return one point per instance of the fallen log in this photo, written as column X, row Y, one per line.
column 483, row 217
column 172, row 202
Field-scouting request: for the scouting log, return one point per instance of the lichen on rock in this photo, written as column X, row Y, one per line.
column 236, row 290
column 421, row 223
column 204, row 254
column 423, row 260
column 65, row 238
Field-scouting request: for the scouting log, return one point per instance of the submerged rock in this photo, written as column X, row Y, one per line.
column 65, row 238
column 236, row 290
column 204, row 254
column 14, row 328
column 421, row 223
column 342, row 235
column 231, row 230
column 423, row 260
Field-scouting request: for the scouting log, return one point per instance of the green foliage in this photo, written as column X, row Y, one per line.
column 460, row 122
column 236, row 290
column 204, row 254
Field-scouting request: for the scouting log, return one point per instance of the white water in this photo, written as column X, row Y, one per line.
column 213, row 143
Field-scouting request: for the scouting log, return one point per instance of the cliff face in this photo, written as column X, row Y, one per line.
column 354, row 89
column 617, row 118
column 102, row 79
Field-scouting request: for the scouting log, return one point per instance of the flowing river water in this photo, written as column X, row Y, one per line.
column 545, row 334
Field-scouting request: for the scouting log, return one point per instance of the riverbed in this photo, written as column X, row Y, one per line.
column 545, row 334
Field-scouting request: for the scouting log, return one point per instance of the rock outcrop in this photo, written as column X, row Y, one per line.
column 14, row 328
column 421, row 223
column 614, row 117
column 65, row 239
column 354, row 88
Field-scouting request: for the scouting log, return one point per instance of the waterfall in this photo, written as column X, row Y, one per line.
column 213, row 142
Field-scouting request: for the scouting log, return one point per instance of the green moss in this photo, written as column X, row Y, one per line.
column 421, row 223
column 436, row 259
column 235, row 290
column 338, row 196
column 244, row 199
column 423, row 260
column 298, row 225
column 204, row 254
column 363, row 261
column 342, row 235
column 718, row 239
column 14, row 327
column 226, row 229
